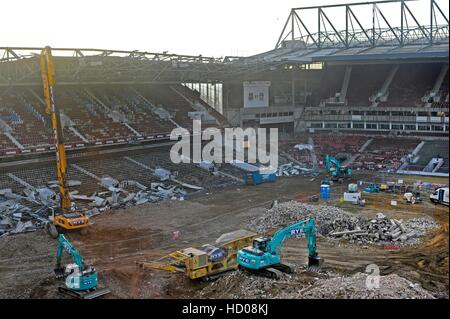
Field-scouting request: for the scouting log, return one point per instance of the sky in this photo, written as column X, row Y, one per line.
column 207, row 27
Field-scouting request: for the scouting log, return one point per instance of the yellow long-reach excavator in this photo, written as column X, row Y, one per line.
column 63, row 218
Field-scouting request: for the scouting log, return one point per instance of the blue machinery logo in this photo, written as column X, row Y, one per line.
column 296, row 231
column 245, row 260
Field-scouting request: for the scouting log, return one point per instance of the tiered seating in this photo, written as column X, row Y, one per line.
column 89, row 118
column 329, row 84
column 70, row 138
column 303, row 156
column 364, row 82
column 187, row 173
column 194, row 96
column 405, row 92
column 444, row 101
column 430, row 150
column 137, row 112
column 334, row 144
column 385, row 153
column 163, row 95
column 6, row 146
column 120, row 169
column 28, row 128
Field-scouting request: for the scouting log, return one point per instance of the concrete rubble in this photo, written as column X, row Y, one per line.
column 335, row 223
column 291, row 169
column 302, row 284
column 16, row 217
column 354, row 287
column 30, row 211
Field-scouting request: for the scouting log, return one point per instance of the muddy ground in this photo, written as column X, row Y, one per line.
column 120, row 239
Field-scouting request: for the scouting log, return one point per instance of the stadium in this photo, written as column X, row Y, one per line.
column 361, row 105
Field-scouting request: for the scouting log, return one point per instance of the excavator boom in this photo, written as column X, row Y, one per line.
column 63, row 218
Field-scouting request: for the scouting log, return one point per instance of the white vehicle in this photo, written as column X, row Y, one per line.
column 440, row 196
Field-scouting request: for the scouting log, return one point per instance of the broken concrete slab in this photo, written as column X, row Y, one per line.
column 162, row 173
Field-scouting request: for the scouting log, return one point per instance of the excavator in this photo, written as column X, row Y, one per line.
column 336, row 170
column 63, row 218
column 80, row 280
column 265, row 252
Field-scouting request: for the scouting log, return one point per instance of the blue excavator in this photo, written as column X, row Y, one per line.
column 264, row 254
column 81, row 280
column 336, row 170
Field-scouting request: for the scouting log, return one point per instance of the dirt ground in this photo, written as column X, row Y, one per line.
column 120, row 239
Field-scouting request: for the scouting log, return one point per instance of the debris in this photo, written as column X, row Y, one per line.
column 162, row 174
column 291, row 169
column 355, row 287
column 335, row 223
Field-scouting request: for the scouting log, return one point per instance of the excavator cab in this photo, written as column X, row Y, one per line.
column 65, row 221
column 260, row 243
column 71, row 221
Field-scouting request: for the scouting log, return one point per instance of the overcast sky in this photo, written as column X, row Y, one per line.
column 208, row 27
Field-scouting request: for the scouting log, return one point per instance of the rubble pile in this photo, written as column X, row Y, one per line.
column 240, row 285
column 18, row 217
column 335, row 223
column 302, row 284
column 118, row 197
column 291, row 169
column 360, row 286
column 31, row 210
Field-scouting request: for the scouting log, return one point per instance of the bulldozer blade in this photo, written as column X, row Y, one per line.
column 315, row 263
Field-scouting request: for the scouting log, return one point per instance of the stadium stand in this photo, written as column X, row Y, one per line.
column 410, row 85
column 330, row 84
column 335, row 144
column 444, row 97
column 177, row 106
column 385, row 153
column 365, row 80
column 430, row 150
column 96, row 115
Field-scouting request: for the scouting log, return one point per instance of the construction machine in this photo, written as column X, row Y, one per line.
column 265, row 252
column 64, row 217
column 412, row 197
column 335, row 170
column 81, row 281
column 372, row 188
column 440, row 196
column 207, row 262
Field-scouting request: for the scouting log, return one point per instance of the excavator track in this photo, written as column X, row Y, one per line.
column 88, row 294
column 283, row 268
column 263, row 272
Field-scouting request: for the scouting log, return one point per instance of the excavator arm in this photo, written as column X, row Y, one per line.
column 64, row 218
column 307, row 227
column 48, row 80
column 65, row 245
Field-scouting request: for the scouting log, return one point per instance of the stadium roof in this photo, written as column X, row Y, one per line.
column 377, row 53
column 367, row 36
